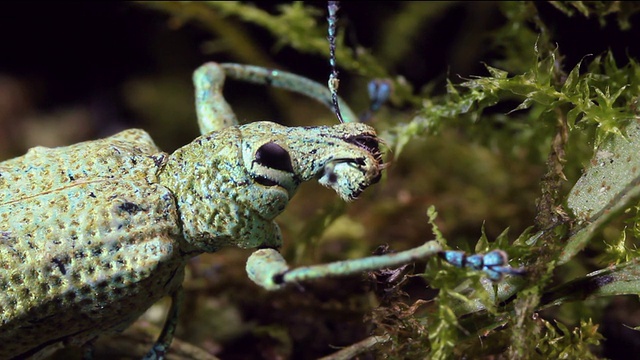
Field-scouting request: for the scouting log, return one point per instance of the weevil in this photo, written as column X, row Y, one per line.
column 93, row 234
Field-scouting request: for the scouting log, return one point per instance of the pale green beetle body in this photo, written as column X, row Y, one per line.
column 80, row 226
column 93, row 234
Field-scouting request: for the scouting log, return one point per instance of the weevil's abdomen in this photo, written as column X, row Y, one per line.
column 128, row 155
column 87, row 242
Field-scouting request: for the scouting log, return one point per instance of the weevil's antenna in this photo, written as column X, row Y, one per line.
column 334, row 82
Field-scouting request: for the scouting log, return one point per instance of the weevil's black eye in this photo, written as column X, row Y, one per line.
column 264, row 181
column 274, row 156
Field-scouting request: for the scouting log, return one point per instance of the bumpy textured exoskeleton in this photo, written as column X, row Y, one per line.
column 91, row 235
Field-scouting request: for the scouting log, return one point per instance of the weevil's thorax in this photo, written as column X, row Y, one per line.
column 219, row 203
column 232, row 183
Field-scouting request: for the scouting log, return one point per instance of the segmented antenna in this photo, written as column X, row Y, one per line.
column 334, row 82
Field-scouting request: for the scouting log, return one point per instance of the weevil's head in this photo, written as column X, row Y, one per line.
column 232, row 183
column 344, row 157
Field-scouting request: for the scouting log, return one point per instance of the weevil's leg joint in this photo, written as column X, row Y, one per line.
column 214, row 113
column 267, row 268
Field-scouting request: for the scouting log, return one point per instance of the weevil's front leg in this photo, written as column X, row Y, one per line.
column 161, row 346
column 288, row 81
column 214, row 113
column 267, row 268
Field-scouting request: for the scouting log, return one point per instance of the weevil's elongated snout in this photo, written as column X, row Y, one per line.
column 344, row 157
column 349, row 176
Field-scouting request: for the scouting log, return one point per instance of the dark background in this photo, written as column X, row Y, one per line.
column 70, row 53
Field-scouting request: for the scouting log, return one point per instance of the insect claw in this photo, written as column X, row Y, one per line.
column 379, row 92
column 495, row 264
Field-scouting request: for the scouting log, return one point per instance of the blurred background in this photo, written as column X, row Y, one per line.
column 118, row 63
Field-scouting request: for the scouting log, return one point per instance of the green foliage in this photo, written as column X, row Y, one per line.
column 600, row 97
column 560, row 342
column 599, row 9
column 295, row 25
